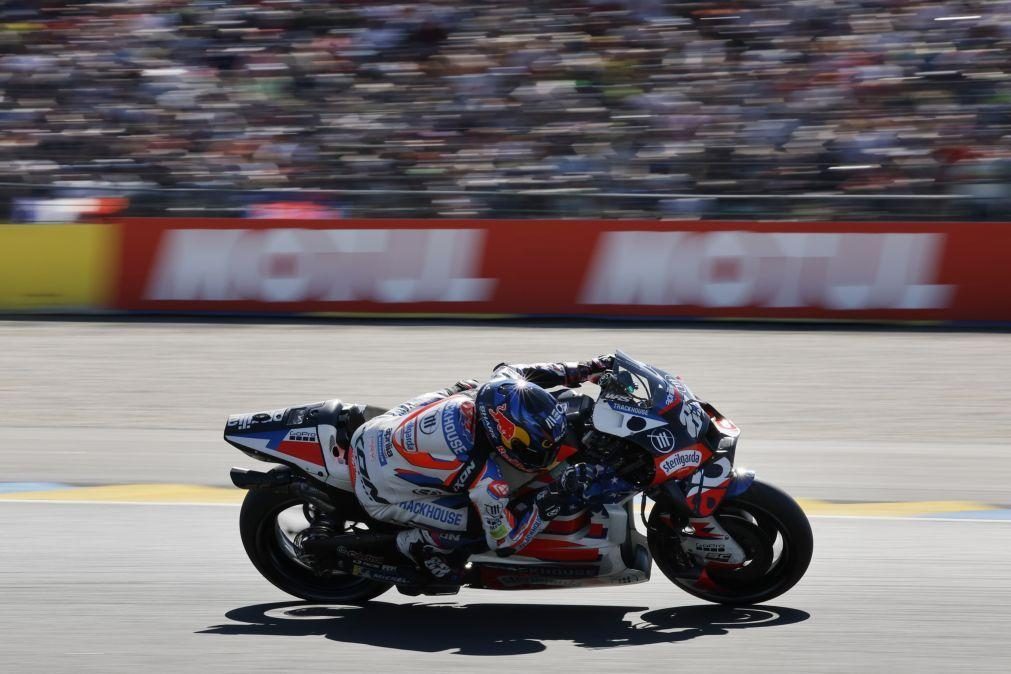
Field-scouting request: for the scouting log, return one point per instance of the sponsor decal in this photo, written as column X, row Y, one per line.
column 882, row 271
column 493, row 509
column 556, row 417
column 662, row 440
column 835, row 271
column 428, row 423
column 499, row 532
column 533, row 528
column 499, row 489
column 676, row 392
column 302, row 435
column 406, row 436
column 693, row 417
column 493, row 515
column 426, row 491
column 553, row 571
column 465, row 475
column 507, row 429
column 319, row 265
column 680, row 460
column 520, row 581
column 458, row 437
column 432, row 513
column 628, row 409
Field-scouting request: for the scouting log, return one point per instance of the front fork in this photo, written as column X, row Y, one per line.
column 692, row 505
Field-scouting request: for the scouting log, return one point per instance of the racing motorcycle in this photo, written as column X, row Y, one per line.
column 305, row 532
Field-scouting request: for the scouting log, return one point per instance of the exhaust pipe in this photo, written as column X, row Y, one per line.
column 282, row 479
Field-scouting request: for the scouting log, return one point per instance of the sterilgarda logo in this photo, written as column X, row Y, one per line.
column 681, row 460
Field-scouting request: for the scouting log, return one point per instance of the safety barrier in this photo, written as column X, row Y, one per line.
column 57, row 267
column 892, row 271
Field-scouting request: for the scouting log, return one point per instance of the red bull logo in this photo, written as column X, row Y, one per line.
column 507, row 429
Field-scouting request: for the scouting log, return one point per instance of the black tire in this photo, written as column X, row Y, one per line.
column 262, row 539
column 757, row 519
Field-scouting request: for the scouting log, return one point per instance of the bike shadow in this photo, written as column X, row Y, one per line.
column 497, row 629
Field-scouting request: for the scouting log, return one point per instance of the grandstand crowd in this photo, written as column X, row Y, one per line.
column 470, row 102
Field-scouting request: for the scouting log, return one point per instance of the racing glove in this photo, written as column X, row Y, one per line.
column 570, row 489
column 590, row 370
column 461, row 386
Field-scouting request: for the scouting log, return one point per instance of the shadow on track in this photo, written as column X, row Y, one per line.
column 497, row 629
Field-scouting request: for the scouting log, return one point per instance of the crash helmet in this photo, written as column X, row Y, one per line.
column 524, row 423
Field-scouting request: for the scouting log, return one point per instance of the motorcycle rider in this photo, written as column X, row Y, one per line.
column 443, row 462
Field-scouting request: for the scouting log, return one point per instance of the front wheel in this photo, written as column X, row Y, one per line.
column 268, row 523
column 767, row 523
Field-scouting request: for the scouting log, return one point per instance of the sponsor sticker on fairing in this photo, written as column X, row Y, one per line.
column 680, row 460
column 662, row 440
column 692, row 417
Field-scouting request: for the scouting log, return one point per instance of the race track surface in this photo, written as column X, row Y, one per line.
column 836, row 416
column 128, row 588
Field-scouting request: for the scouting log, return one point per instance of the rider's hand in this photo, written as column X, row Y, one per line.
column 573, row 487
column 597, row 366
column 550, row 501
column 576, row 480
column 460, row 386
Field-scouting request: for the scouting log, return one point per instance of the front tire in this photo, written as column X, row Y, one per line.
column 271, row 550
column 767, row 523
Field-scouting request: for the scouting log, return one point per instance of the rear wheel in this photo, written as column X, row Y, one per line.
column 268, row 524
column 771, row 528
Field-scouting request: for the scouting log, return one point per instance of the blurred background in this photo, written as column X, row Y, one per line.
column 839, row 109
column 200, row 203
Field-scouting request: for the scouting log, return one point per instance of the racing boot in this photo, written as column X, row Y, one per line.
column 439, row 564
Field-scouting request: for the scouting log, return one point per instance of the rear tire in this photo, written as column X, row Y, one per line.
column 758, row 519
column 270, row 551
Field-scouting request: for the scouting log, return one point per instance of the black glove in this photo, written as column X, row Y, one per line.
column 592, row 369
column 550, row 501
column 575, row 480
column 461, row 386
column 569, row 489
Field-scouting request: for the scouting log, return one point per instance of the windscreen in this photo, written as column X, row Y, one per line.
column 641, row 385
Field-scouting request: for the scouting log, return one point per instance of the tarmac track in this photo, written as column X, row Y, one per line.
column 838, row 415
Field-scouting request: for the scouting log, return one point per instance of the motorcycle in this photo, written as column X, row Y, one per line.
column 305, row 532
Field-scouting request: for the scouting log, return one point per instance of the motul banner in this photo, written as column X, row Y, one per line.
column 810, row 270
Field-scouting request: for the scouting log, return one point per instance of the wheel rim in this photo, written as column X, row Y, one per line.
column 767, row 543
column 275, row 538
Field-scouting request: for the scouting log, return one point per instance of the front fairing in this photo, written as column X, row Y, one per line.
column 649, row 407
column 690, row 442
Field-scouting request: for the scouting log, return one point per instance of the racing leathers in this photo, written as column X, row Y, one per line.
column 426, row 464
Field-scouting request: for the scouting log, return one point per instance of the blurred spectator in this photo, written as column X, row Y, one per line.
column 476, row 99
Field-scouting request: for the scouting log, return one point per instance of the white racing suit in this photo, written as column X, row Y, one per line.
column 417, row 465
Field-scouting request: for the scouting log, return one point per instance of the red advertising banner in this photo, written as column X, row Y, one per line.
column 797, row 270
